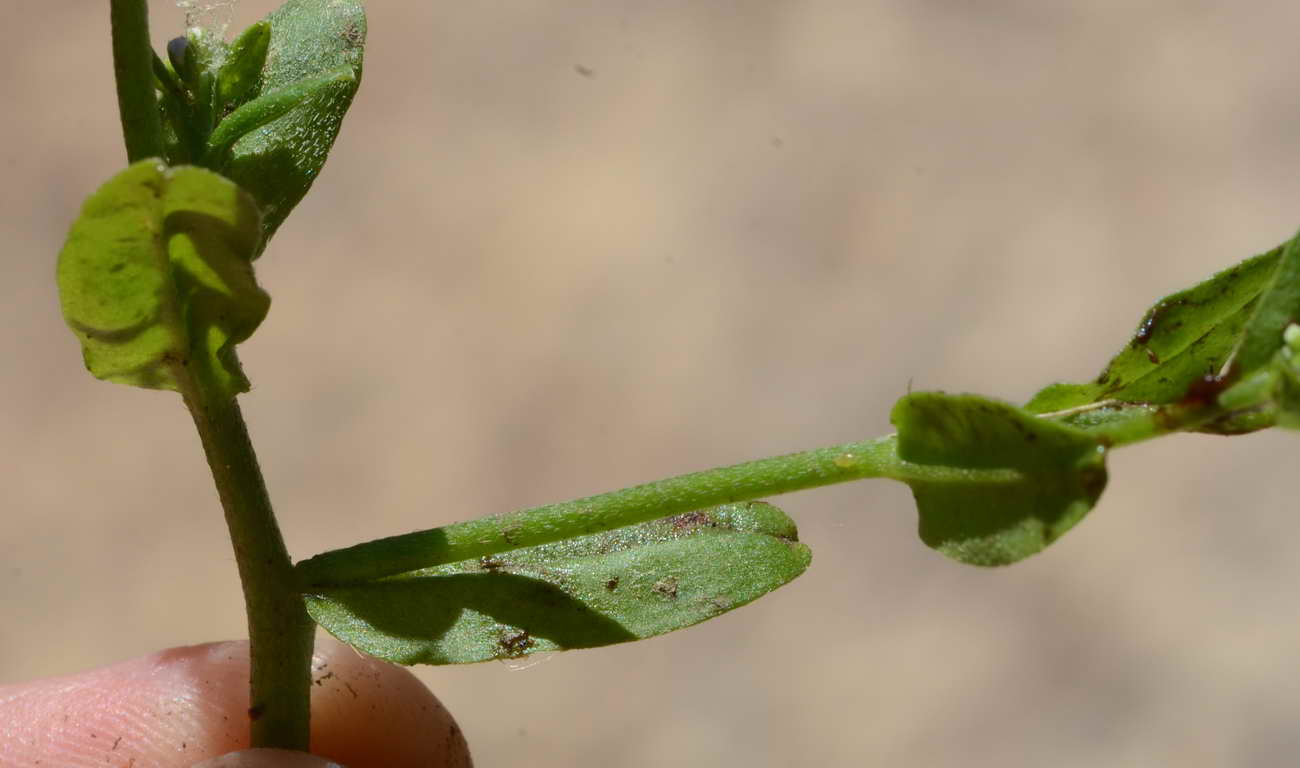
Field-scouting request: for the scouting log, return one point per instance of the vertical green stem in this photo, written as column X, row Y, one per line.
column 280, row 631
column 133, row 69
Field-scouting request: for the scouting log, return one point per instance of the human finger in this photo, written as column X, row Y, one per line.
column 184, row 705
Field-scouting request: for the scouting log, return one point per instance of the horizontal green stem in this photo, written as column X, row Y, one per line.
column 1148, row 423
column 675, row 495
column 1240, row 410
column 686, row 493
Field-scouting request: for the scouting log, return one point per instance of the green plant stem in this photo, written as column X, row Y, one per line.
column 675, row 495
column 280, row 631
column 742, row 482
column 133, row 70
column 686, row 493
column 1156, row 422
column 1139, row 423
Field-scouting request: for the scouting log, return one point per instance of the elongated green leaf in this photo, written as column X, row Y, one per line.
column 272, row 106
column 612, row 587
column 1020, row 482
column 156, row 277
column 1184, row 337
column 278, row 161
column 240, row 77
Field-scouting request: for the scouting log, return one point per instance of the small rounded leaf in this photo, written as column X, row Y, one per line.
column 994, row 483
column 156, row 278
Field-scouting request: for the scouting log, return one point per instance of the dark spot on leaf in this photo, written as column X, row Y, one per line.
column 612, row 584
column 1151, row 321
column 1093, row 481
column 1204, row 390
column 1166, row 419
column 490, row 563
column 666, row 587
column 118, row 267
column 692, row 520
column 352, row 34
column 515, row 643
column 1152, row 356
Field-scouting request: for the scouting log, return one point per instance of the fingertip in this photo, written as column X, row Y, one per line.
column 366, row 712
column 185, row 704
column 168, row 708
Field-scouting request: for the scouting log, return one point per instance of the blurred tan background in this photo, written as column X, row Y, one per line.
column 562, row 247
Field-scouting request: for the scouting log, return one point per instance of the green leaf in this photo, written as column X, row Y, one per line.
column 156, row 277
column 277, row 162
column 1008, row 483
column 1286, row 381
column 240, row 77
column 270, row 107
column 1270, row 394
column 612, row 587
column 1184, row 337
column 1278, row 308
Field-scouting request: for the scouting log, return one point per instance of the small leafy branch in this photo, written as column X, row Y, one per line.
column 157, row 283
